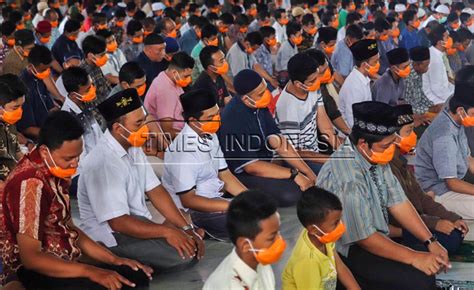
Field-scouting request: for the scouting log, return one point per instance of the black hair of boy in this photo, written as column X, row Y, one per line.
column 315, row 204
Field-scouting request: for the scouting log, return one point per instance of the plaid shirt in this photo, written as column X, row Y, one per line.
column 264, row 58
column 131, row 50
column 9, row 148
column 414, row 93
column 3, row 52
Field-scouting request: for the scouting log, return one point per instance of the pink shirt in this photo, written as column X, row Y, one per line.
column 162, row 100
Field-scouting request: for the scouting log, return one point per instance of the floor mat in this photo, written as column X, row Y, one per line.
column 454, row 285
column 465, row 253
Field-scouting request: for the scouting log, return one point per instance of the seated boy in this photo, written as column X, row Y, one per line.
column 254, row 228
column 320, row 212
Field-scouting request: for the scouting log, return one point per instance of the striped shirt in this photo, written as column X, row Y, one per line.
column 365, row 190
column 296, row 119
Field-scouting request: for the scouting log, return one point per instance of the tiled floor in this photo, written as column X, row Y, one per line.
column 215, row 251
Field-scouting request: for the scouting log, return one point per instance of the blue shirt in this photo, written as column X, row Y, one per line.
column 151, row 68
column 423, row 36
column 64, row 45
column 243, row 134
column 409, row 39
column 188, row 41
column 342, row 59
column 441, row 153
column 37, row 104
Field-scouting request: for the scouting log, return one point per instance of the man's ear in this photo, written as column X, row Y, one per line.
column 43, row 150
column 243, row 245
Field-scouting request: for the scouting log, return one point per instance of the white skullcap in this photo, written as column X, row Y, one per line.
column 122, row 5
column 468, row 11
column 412, row 1
column 421, row 13
column 449, row 2
column 442, row 9
column 41, row 6
column 399, row 8
column 157, row 6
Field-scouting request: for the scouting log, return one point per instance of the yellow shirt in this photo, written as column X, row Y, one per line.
column 309, row 268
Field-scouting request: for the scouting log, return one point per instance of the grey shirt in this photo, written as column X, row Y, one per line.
column 442, row 153
column 387, row 90
column 342, row 59
column 286, row 51
column 118, row 88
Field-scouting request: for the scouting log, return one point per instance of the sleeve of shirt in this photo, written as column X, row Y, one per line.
column 107, row 68
column 444, row 157
column 396, row 195
column 151, row 180
column 105, row 186
column 435, row 82
column 284, row 58
column 220, row 157
column 28, row 117
column 343, row 63
column 183, row 173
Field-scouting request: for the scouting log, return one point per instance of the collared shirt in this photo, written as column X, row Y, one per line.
column 62, row 46
column 441, row 153
column 365, row 190
column 193, row 162
column 280, row 32
column 264, row 58
column 414, row 94
column 239, row 59
column 14, row 63
column 218, row 87
column 341, row 34
column 38, row 102
column 162, row 100
column 113, row 183
column 85, row 115
column 131, row 49
column 342, row 59
column 296, row 119
column 243, row 134
column 234, row 274
column 188, row 41
column 323, row 274
column 151, row 68
column 286, row 51
column 409, row 39
column 384, row 47
column 118, row 88
column 254, row 26
column 9, row 148
column 436, row 86
column 387, row 90
column 36, row 204
column 356, row 89
column 115, row 62
column 82, row 35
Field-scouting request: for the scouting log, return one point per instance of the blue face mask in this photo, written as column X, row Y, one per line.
column 442, row 19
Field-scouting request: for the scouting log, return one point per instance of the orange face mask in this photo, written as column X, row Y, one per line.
column 333, row 236
column 54, row 24
column 59, row 172
column 455, row 25
column 55, row 5
column 335, row 23
column 223, row 29
column 90, row 96
column 271, row 254
column 42, row 75
column 27, row 17
column 198, row 33
column 404, row 73
column 314, row 87
column 146, row 33
column 373, row 70
column 249, row 50
column 467, row 121
column 119, row 23
column 45, row 40
column 102, row 26
column 212, row 126
column 407, row 143
column 327, row 77
column 137, row 138
column 137, row 39
column 382, row 157
column 223, row 69
column 361, row 12
column 183, row 82
column 11, row 42
column 284, row 21
column 297, row 40
column 312, row 31
column 461, row 48
column 141, row 90
column 101, row 61
column 243, row 29
column 314, row 9
column 448, row 43
column 451, row 51
column 253, row 12
column 329, row 50
column 395, row 32
column 272, row 42
column 351, row 7
column 112, row 46
column 72, row 37
column 11, row 117
column 214, row 42
column 173, row 34
column 20, row 26
column 263, row 102
column 416, row 24
column 383, row 37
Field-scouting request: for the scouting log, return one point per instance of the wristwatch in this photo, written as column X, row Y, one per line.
column 294, row 173
column 430, row 240
column 188, row 227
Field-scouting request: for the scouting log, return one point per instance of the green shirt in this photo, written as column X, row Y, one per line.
column 342, row 18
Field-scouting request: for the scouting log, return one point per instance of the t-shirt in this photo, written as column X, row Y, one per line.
column 309, row 268
column 296, row 119
column 218, row 88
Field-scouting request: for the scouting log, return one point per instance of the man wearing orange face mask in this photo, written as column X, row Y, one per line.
column 289, row 47
column 443, row 156
column 8, row 40
column 99, row 22
column 17, row 58
column 356, row 87
column 133, row 45
column 309, row 31
column 66, row 43
column 409, row 36
column 248, row 138
column 197, row 177
column 117, row 25
column 263, row 19
column 384, row 42
column 162, row 99
column 116, row 57
column 326, row 41
column 208, row 38
column 253, row 224
column 43, row 34
column 281, row 20
column 38, row 101
column 152, row 58
column 359, row 174
column 390, row 87
column 115, row 179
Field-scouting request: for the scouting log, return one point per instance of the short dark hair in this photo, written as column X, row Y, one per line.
column 208, row 31
column 60, row 126
column 205, row 56
column 139, row 15
column 278, row 13
column 93, row 44
column 436, row 35
column 226, row 18
column 464, row 34
column 315, row 204
column 308, row 19
column 15, row 16
column 326, row 18
column 464, row 78
column 267, row 31
column 354, row 31
column 98, row 17
column 245, row 213
column 182, row 60
column 381, row 24
column 408, row 16
column 40, row 54
column 357, row 134
column 452, row 17
column 352, row 17
column 133, row 26
column 317, row 55
column 201, row 22
column 255, row 38
column 120, row 13
column 242, row 20
column 130, row 71
column 78, row 17
column 193, row 19
column 104, row 33
column 7, row 28
column 300, row 66
column 11, row 88
column 73, row 78
column 72, row 25
column 263, row 14
column 292, row 28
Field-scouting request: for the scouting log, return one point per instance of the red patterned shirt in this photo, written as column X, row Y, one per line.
column 36, row 204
